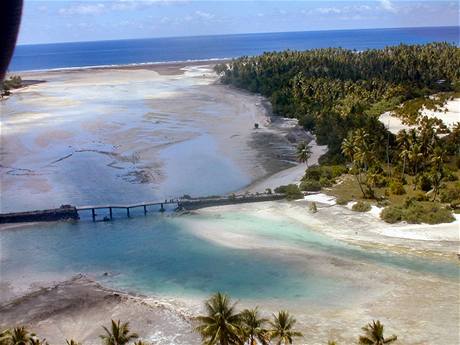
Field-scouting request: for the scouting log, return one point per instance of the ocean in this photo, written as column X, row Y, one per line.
column 155, row 50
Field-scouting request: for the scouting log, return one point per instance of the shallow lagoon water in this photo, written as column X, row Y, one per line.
column 117, row 136
column 162, row 255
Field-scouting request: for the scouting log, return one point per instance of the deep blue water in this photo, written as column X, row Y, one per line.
column 80, row 54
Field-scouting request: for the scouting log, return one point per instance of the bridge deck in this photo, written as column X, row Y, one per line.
column 98, row 207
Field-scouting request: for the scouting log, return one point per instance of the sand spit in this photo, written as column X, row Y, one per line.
column 365, row 229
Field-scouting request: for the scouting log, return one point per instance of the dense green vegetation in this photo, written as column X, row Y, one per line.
column 291, row 191
column 361, row 206
column 332, row 91
column 221, row 325
column 339, row 94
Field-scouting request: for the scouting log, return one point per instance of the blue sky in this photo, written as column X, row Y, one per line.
column 68, row 20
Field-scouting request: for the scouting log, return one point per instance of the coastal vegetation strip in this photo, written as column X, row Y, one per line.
column 339, row 95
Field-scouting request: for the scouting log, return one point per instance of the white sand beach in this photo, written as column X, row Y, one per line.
column 449, row 114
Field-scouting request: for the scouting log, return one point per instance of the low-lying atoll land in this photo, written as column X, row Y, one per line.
column 371, row 216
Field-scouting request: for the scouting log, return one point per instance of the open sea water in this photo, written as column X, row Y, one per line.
column 153, row 50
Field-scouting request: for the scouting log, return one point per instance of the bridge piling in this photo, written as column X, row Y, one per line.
column 110, row 211
column 127, row 212
column 145, row 209
column 162, row 209
column 93, row 213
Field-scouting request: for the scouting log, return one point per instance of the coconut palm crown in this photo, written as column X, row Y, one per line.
column 282, row 328
column 373, row 335
column 303, row 152
column 119, row 334
column 221, row 324
column 252, row 326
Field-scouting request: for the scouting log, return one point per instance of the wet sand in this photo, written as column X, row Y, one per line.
column 134, row 133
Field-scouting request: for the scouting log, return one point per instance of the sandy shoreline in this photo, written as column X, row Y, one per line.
column 364, row 229
column 162, row 67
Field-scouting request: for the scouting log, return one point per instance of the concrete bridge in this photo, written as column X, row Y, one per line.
column 68, row 212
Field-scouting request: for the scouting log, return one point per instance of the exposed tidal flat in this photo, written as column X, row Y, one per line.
column 125, row 135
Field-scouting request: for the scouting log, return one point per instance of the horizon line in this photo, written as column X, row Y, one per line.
column 241, row 34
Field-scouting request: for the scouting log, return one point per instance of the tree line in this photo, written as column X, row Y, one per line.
column 333, row 91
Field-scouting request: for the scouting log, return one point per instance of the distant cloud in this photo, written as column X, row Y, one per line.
column 353, row 9
column 119, row 5
column 83, row 9
column 387, row 5
column 204, row 15
column 328, row 10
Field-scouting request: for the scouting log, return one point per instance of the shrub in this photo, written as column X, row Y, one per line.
column 268, row 191
column 421, row 197
column 424, row 182
column 310, row 185
column 449, row 175
column 361, row 206
column 280, row 189
column 325, row 182
column 313, row 173
column 342, row 201
column 383, row 203
column 328, row 172
column 396, row 188
column 338, row 170
column 291, row 191
column 417, row 212
column 392, row 214
column 450, row 194
column 430, row 213
column 381, row 181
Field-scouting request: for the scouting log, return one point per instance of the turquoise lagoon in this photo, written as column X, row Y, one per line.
column 162, row 255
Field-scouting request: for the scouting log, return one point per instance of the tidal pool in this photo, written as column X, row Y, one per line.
column 166, row 255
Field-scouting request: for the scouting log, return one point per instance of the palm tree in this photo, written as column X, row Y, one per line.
column 252, row 327
column 352, row 149
column 437, row 170
column 141, row 342
column 72, row 342
column 118, row 335
column 348, row 147
column 5, row 337
column 303, row 152
column 221, row 324
column 373, row 335
column 36, row 341
column 404, row 145
column 282, row 328
column 15, row 336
